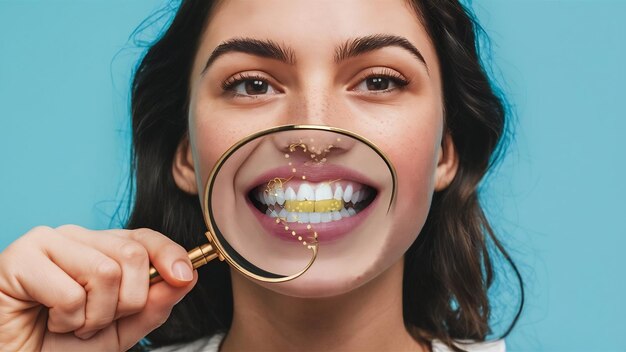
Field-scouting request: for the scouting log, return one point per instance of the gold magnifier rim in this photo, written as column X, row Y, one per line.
column 211, row 233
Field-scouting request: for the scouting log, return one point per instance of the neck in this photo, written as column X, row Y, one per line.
column 368, row 318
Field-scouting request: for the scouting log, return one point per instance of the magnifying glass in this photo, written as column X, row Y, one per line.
column 278, row 197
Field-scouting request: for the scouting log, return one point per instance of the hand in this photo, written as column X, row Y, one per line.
column 70, row 288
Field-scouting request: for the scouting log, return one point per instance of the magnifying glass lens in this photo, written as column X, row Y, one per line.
column 279, row 197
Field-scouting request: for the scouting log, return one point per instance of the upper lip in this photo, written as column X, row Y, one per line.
column 314, row 173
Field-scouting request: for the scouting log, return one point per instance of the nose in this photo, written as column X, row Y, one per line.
column 312, row 144
column 316, row 102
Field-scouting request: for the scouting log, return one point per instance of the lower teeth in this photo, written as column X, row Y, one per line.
column 313, row 217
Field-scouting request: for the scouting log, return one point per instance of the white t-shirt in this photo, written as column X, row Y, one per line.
column 212, row 344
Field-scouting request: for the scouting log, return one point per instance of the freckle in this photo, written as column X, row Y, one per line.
column 299, row 238
column 286, row 156
column 293, row 170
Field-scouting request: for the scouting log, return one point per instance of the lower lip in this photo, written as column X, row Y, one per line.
column 326, row 231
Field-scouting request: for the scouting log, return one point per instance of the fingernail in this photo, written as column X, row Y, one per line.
column 182, row 271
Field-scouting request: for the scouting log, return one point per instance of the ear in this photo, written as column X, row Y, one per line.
column 183, row 169
column 447, row 163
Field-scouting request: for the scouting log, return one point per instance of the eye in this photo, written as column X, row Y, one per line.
column 384, row 81
column 253, row 87
column 248, row 85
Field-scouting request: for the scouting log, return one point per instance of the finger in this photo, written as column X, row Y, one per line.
column 168, row 257
column 126, row 332
column 99, row 274
column 52, row 287
column 132, row 258
column 161, row 299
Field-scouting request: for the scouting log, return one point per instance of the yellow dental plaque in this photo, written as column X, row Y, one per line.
column 310, row 206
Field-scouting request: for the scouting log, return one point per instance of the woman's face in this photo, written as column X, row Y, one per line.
column 365, row 66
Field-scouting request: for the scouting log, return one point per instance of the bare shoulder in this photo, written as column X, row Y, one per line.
column 487, row 346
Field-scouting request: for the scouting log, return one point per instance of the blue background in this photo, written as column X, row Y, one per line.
column 557, row 199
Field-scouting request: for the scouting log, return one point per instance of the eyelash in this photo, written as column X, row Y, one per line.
column 229, row 84
column 390, row 74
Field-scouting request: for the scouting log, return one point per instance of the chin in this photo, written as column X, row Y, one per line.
column 318, row 283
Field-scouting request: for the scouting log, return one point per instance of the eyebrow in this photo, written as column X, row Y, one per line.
column 263, row 48
column 362, row 45
column 351, row 48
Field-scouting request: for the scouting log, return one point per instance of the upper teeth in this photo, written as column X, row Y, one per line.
column 322, row 191
column 280, row 196
column 312, row 203
column 347, row 195
column 338, row 193
column 305, row 192
column 311, row 192
column 289, row 194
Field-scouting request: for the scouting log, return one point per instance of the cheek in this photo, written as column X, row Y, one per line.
column 212, row 133
column 415, row 164
column 414, row 153
column 416, row 169
column 207, row 143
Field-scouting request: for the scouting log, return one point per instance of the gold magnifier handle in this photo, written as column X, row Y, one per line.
column 199, row 256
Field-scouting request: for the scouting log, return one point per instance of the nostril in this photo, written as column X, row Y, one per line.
column 317, row 141
column 312, row 151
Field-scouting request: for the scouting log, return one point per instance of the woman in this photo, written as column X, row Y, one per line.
column 405, row 74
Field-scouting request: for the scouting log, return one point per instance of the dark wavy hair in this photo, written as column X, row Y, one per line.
column 448, row 269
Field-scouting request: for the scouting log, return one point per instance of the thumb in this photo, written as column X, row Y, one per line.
column 161, row 299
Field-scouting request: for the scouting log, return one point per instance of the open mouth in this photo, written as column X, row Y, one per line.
column 320, row 203
column 312, row 203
